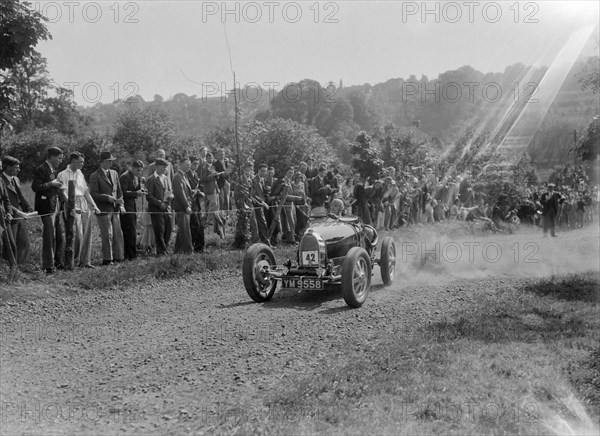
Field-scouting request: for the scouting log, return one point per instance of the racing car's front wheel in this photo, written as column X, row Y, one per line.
column 257, row 282
column 356, row 277
column 387, row 262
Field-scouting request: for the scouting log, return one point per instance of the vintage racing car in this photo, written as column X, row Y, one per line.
column 333, row 251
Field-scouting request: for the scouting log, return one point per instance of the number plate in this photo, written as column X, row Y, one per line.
column 301, row 283
column 310, row 258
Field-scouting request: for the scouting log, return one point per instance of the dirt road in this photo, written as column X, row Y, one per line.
column 181, row 356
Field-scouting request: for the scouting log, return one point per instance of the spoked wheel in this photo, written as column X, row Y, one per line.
column 387, row 263
column 356, row 277
column 259, row 286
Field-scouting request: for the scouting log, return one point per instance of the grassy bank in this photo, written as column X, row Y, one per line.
column 512, row 366
column 21, row 284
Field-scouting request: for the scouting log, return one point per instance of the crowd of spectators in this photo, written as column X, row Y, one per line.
column 199, row 192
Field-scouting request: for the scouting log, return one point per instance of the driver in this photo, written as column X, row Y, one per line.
column 337, row 208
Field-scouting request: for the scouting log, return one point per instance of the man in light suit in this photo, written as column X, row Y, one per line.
column 182, row 205
column 106, row 192
column 84, row 208
column 19, row 206
column 46, row 189
column 159, row 198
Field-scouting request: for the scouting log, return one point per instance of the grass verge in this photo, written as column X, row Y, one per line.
column 522, row 362
column 21, row 284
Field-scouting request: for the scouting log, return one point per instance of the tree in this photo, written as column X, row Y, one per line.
column 366, row 162
column 141, row 132
column 61, row 113
column 284, row 143
column 590, row 74
column 402, row 149
column 31, row 82
column 362, row 113
column 35, row 103
column 504, row 183
column 21, row 28
column 588, row 146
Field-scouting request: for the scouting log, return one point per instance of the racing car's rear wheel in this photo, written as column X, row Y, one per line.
column 387, row 262
column 258, row 284
column 356, row 277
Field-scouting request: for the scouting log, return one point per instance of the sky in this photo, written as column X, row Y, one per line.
column 106, row 50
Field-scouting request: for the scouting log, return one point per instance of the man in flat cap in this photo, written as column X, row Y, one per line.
column 550, row 201
column 159, row 198
column 19, row 208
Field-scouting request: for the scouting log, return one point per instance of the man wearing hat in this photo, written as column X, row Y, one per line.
column 106, row 192
column 550, row 201
column 19, row 207
column 182, row 205
column 159, row 205
column 132, row 190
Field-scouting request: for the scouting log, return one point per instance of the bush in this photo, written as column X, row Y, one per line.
column 30, row 148
column 284, row 143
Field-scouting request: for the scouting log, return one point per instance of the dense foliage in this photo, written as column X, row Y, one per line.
column 366, row 161
column 21, row 28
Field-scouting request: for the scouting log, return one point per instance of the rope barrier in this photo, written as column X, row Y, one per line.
column 202, row 213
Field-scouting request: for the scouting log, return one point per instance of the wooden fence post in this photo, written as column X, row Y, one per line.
column 69, row 223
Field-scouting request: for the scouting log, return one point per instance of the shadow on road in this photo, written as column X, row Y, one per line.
column 238, row 304
column 308, row 299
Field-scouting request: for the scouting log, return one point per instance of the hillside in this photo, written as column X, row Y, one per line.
column 447, row 106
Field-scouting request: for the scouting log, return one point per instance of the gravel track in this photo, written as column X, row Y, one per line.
column 166, row 357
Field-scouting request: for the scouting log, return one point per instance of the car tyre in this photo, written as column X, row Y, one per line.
column 259, row 288
column 356, row 277
column 387, row 261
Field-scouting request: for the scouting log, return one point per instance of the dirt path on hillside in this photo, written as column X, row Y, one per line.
column 170, row 357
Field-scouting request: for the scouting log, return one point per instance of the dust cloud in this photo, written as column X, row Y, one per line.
column 425, row 255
